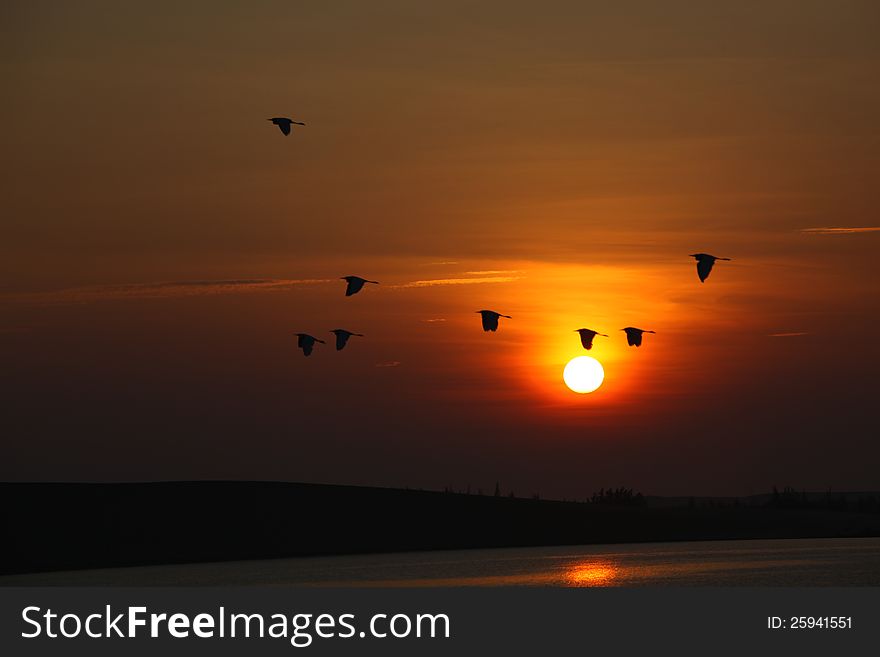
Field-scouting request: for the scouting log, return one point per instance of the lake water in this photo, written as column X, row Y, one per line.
column 790, row 562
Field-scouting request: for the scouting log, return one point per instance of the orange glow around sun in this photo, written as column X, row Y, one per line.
column 550, row 321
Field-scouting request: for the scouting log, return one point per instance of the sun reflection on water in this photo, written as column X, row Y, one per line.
column 591, row 573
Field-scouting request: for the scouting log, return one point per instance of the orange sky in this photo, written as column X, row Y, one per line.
column 162, row 241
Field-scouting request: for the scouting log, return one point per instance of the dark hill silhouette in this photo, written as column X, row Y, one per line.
column 61, row 526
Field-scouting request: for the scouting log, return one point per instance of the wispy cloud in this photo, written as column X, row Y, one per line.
column 161, row 290
column 493, row 272
column 459, row 281
column 835, row 230
column 788, row 335
column 434, row 319
column 388, row 363
column 442, row 262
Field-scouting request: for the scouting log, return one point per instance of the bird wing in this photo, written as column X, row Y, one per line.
column 285, row 127
column 587, row 340
column 341, row 339
column 306, row 343
column 490, row 321
column 704, row 266
column 633, row 337
column 354, row 286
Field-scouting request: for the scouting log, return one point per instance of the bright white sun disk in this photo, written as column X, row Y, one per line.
column 583, row 374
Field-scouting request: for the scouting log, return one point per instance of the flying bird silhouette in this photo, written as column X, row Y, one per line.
column 705, row 262
column 587, row 336
column 307, row 342
column 342, row 337
column 354, row 284
column 634, row 335
column 284, row 123
column 490, row 319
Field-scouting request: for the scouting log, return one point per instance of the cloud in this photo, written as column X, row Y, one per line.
column 459, row 281
column 434, row 319
column 161, row 290
column 840, row 230
column 788, row 335
column 388, row 363
column 493, row 272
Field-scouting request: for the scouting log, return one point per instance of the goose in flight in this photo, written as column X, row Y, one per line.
column 634, row 335
column 342, row 337
column 704, row 264
column 587, row 336
column 490, row 319
column 354, row 284
column 307, row 342
column 284, row 123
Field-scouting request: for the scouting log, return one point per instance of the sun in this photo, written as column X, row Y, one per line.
column 583, row 374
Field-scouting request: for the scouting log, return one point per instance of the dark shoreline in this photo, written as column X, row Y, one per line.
column 71, row 526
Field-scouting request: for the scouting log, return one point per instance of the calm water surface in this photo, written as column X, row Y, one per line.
column 791, row 562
